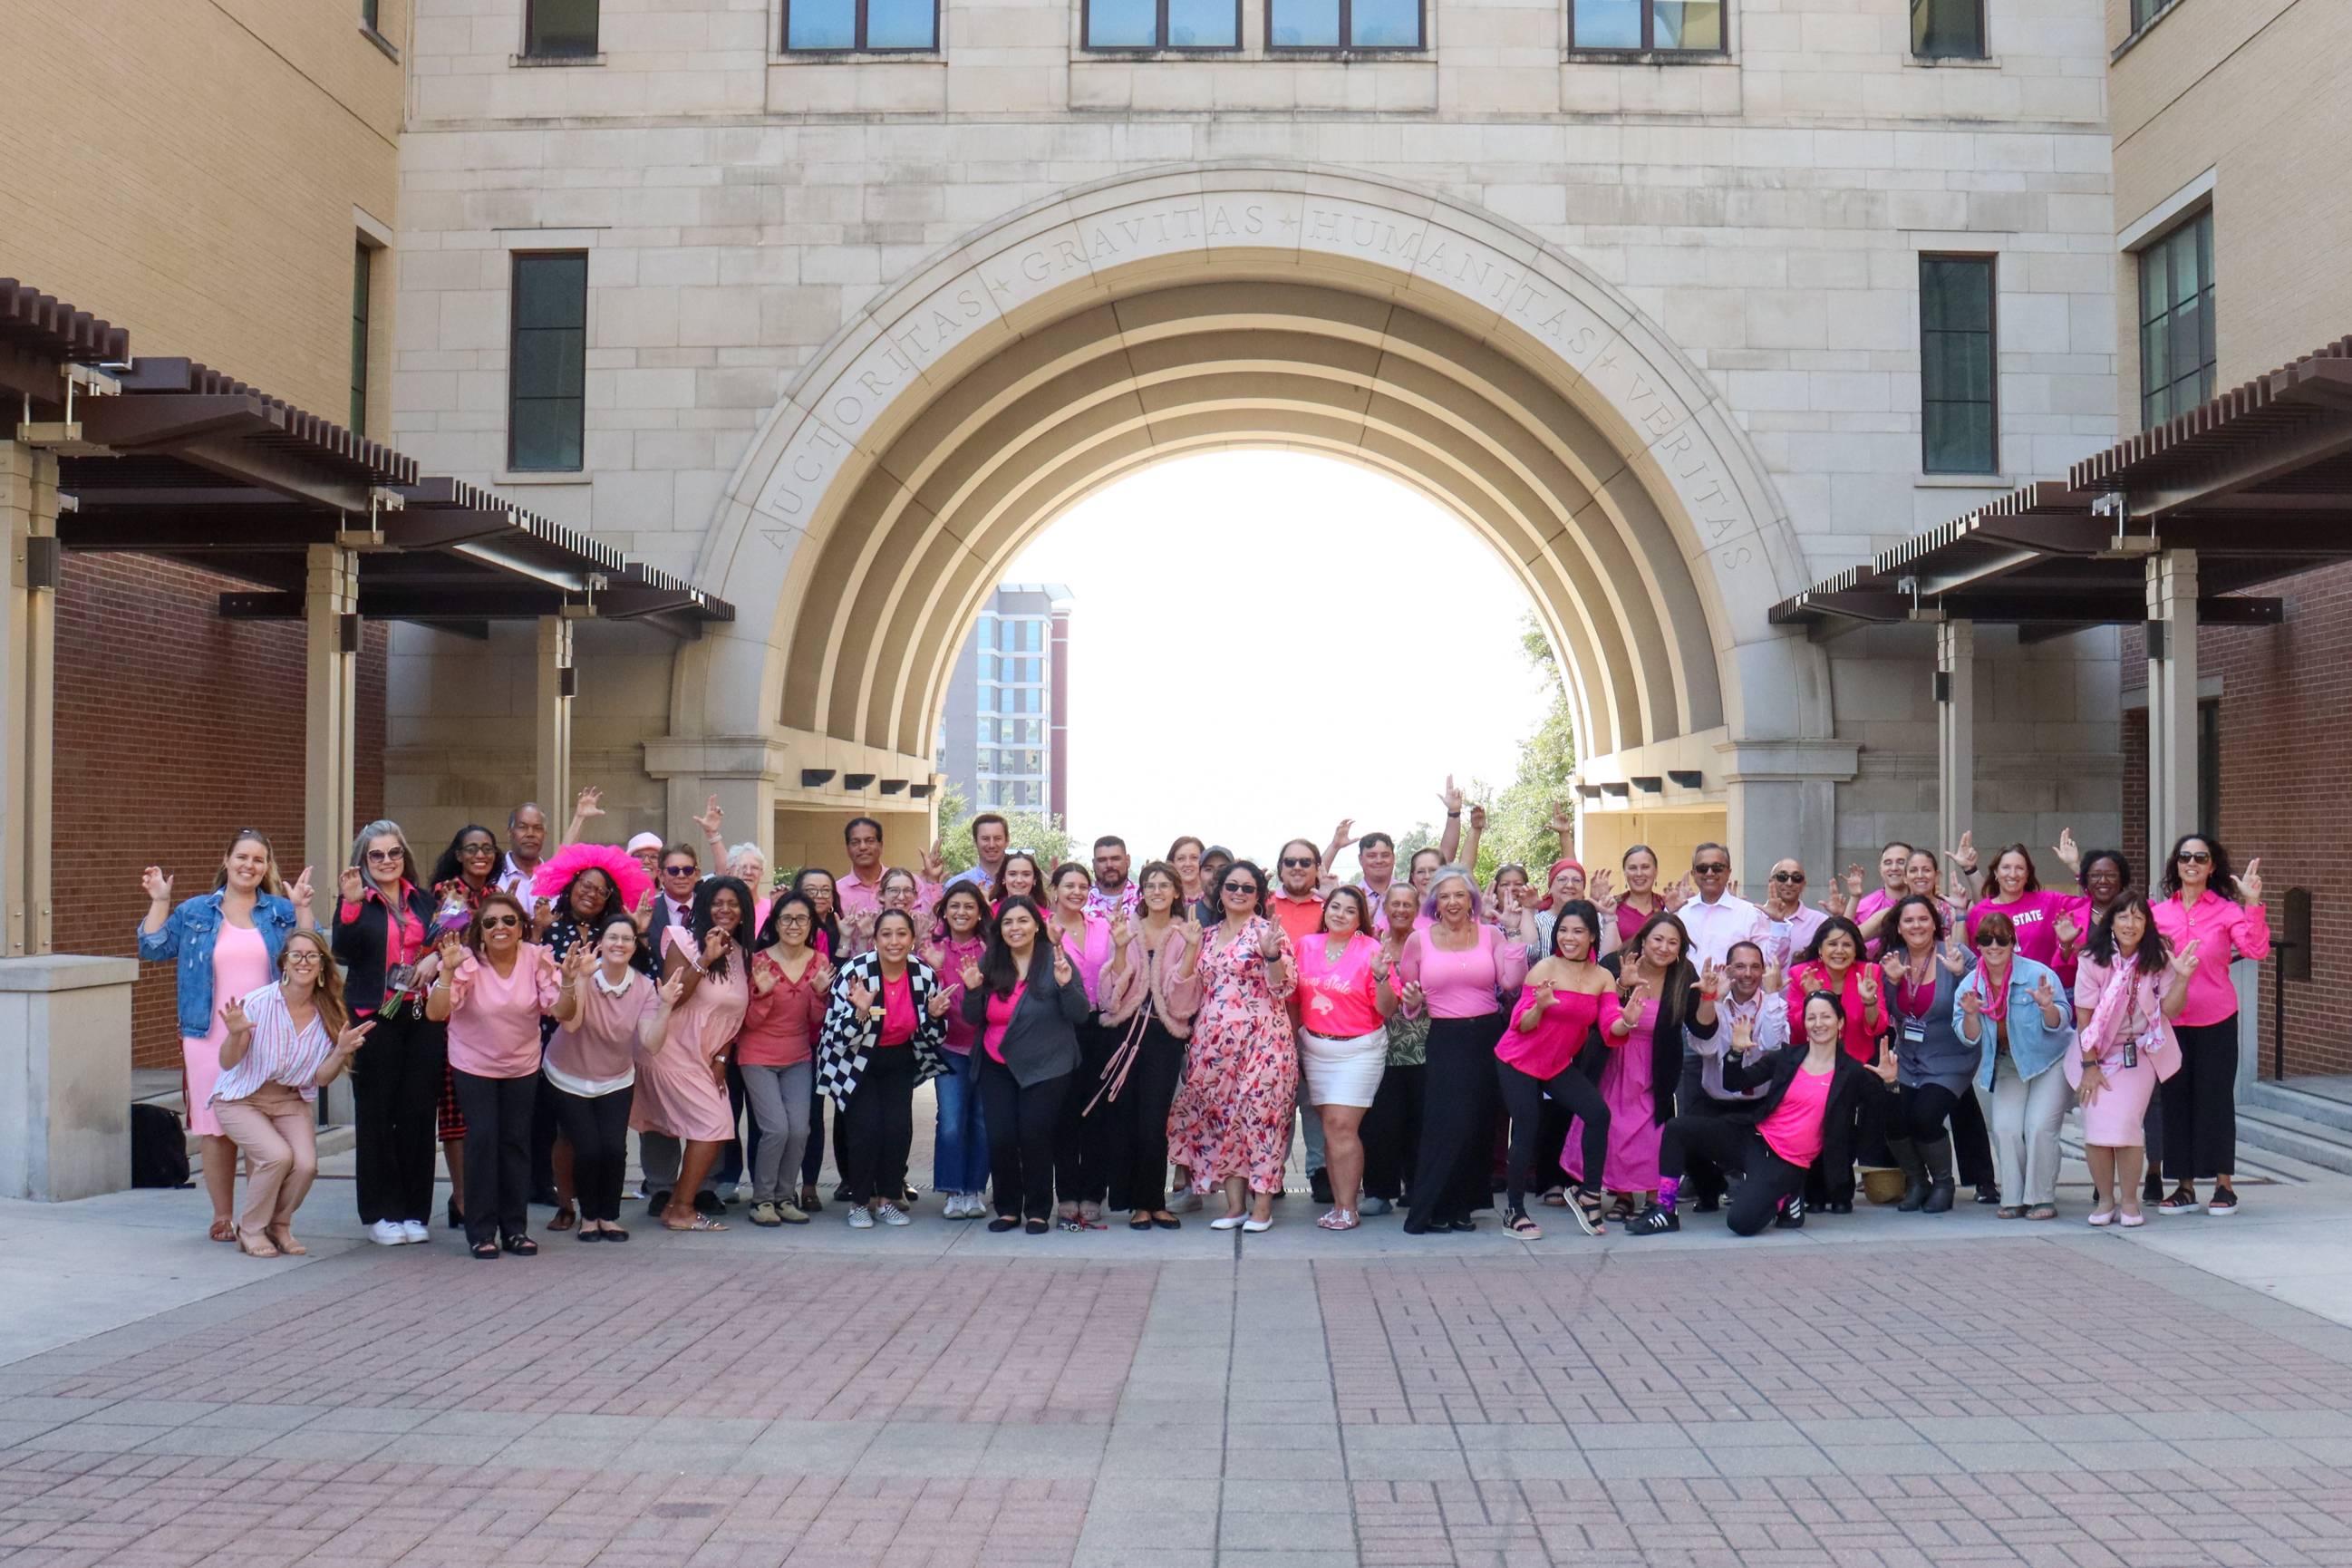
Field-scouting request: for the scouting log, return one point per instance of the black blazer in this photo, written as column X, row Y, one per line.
column 1666, row 1041
column 1042, row 1040
column 358, row 945
column 1851, row 1086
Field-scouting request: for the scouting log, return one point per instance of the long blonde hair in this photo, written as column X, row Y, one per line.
column 271, row 883
column 327, row 992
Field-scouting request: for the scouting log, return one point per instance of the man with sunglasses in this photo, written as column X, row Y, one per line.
column 1788, row 922
column 1717, row 917
column 1298, row 907
column 681, row 870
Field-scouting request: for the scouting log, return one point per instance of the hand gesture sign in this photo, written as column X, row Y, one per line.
column 1865, row 984
column 1679, row 893
column 1956, row 957
column 1884, row 1065
column 1972, row 1002
column 935, row 862
column 1269, row 945
column 821, row 975
column 2249, row 886
column 233, row 1014
column 1743, row 1036
column 1965, row 856
column 1063, row 973
column 859, row 998
column 1562, row 820
column 2184, row 960
column 1540, row 997
column 2068, row 850
column 590, row 804
column 159, row 885
column 1477, row 819
column 933, row 955
column 1449, row 797
column 644, row 904
column 713, row 819
column 1412, row 995
column 2066, row 928
column 452, row 949
column 937, row 1005
column 299, row 894
column 672, row 988
column 1811, row 982
column 715, row 944
column 1895, row 968
column 577, row 962
column 1119, row 928
column 1343, row 834
column 1190, row 927
column 354, row 1036
column 971, row 975
column 348, row 882
column 1710, row 980
column 2042, row 993
column 1632, row 998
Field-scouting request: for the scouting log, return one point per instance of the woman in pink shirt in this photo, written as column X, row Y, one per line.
column 491, row 989
column 1567, row 997
column 1459, row 968
column 2200, row 1102
column 609, row 1011
column 1081, row 1169
column 1343, row 1039
column 2051, row 925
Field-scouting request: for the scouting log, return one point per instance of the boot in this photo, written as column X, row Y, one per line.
column 1937, row 1156
column 1915, row 1174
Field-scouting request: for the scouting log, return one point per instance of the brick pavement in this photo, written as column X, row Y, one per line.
column 1994, row 1400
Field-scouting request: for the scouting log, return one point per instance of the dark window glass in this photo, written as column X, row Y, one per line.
column 1947, row 29
column 2146, row 11
column 359, row 259
column 1682, row 25
column 2175, row 321
column 369, row 11
column 1959, row 418
column 817, row 26
column 547, row 390
column 558, row 29
column 2208, row 763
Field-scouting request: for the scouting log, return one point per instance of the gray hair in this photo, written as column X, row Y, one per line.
column 384, row 827
column 737, row 853
column 1437, row 881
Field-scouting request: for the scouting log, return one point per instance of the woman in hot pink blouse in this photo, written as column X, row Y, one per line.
column 491, row 989
column 2051, row 925
column 2127, row 991
column 1231, row 1121
column 1343, row 1038
column 1459, row 969
column 2201, row 1104
column 1568, row 995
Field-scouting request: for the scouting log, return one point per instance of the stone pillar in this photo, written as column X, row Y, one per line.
column 65, row 1076
column 2171, row 705
column 1956, row 731
column 330, row 606
column 1781, row 798
column 28, row 516
column 744, row 772
column 552, row 709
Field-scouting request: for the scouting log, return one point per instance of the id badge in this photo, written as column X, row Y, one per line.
column 1915, row 1031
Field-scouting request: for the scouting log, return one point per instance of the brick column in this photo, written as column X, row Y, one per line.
column 1956, row 731
column 2172, row 704
column 331, row 605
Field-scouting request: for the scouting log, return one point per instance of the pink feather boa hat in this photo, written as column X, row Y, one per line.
column 555, row 873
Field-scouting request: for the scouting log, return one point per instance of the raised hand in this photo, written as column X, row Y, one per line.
column 1383, row 964
column 1743, row 1036
column 2068, row 850
column 859, row 998
column 591, row 804
column 820, row 974
column 543, row 921
column 1063, row 973
column 1603, row 886
column 577, row 962
column 2184, row 960
column 1710, row 980
column 1190, row 927
column 971, row 975
column 1678, row 893
column 348, row 882
column 1955, row 958
column 1269, row 945
column 233, row 1014
column 672, row 988
column 1449, row 797
column 2249, row 886
column 1865, row 984
column 937, row 1005
column 159, row 887
column 1343, row 834
column 2066, row 928
column 713, row 819
column 1540, row 997
column 1810, row 981
column 1965, row 856
column 298, row 895
column 1562, row 820
column 354, row 1037
column 1119, row 928
column 1893, row 967
column 1631, row 998
column 1972, row 1002
column 1477, row 819
column 452, row 949
column 1412, row 997
column 2042, row 993
column 1853, row 882
column 1884, row 1065
column 935, row 862
column 932, row 954
column 714, row 947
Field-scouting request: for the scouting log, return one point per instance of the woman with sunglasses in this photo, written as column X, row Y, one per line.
column 1231, row 1122
column 959, row 1145
column 491, row 989
column 2129, row 988
column 776, row 1051
column 2200, row 1103
column 2013, row 1009
column 283, row 1043
column 682, row 1116
column 610, row 1011
column 1151, row 1015
column 224, row 943
column 1460, row 968
column 1022, row 997
column 383, row 939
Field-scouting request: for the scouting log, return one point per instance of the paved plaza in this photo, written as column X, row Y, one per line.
column 1879, row 1390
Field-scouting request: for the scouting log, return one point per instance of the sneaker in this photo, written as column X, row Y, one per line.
column 861, row 1218
column 1792, row 1218
column 765, row 1213
column 388, row 1233
column 790, row 1213
column 2224, row 1201
column 2182, row 1201
column 1370, row 1206
column 1652, row 1221
column 891, row 1214
column 1319, row 1186
column 1185, row 1203
column 412, row 1231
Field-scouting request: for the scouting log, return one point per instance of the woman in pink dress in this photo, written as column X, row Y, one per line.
column 1655, row 990
column 2127, row 990
column 491, row 989
column 681, row 1090
column 1231, row 1121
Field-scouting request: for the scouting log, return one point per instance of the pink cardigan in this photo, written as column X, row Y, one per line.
column 1174, row 1001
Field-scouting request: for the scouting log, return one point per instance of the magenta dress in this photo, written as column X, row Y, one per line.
column 1231, row 1113
column 241, row 966
column 677, row 1092
column 1634, row 1130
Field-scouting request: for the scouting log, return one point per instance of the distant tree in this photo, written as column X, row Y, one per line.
column 1518, row 814
column 1043, row 836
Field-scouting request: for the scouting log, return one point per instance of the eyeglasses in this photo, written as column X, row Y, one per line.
column 1294, row 863
column 1714, row 868
column 1796, row 876
column 307, row 957
column 388, row 857
column 2194, row 857
column 472, row 849
column 679, row 870
column 491, row 922
column 792, row 920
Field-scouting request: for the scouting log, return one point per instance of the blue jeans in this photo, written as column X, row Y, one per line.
column 960, row 1153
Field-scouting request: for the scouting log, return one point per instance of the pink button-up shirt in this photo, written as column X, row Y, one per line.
column 855, row 896
column 2224, row 931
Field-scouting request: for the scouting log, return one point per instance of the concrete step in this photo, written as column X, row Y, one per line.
column 2289, row 1099
column 2300, row 1138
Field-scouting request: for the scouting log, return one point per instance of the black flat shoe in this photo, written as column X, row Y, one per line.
column 1035, row 1227
column 590, row 1235
column 457, row 1215
column 1001, row 1224
column 521, row 1246
column 1988, row 1194
column 616, row 1234
column 1838, row 1206
column 1170, row 1223
column 1143, row 1224
column 1465, row 1223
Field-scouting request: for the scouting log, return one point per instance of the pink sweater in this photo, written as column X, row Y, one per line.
column 1174, row 1000
column 494, row 1018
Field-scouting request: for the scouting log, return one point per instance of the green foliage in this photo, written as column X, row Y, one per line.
column 1517, row 815
column 1043, row 836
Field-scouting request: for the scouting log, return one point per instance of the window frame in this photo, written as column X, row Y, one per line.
column 1160, row 44
column 515, row 264
column 1345, row 46
column 530, row 51
column 2185, row 228
column 1992, row 263
column 1648, row 45
column 362, row 329
column 1984, row 36
column 857, row 34
column 2145, row 13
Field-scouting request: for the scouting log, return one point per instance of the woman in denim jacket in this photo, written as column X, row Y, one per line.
column 2014, row 1010
column 226, row 944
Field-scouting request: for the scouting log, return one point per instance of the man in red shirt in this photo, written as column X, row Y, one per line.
column 1299, row 907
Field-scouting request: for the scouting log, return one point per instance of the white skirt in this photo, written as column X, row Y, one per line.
column 1342, row 1071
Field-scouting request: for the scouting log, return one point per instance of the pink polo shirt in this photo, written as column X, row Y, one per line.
column 2224, row 929
column 494, row 1017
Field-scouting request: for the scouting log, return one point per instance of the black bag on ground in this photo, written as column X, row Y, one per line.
column 159, row 1148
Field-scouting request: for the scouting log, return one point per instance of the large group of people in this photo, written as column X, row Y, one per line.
column 1623, row 1047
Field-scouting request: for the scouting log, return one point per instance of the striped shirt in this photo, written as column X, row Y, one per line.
column 277, row 1053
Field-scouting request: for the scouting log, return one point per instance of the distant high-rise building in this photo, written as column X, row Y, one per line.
column 1004, row 743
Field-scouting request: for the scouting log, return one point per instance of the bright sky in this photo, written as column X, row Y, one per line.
column 1378, row 641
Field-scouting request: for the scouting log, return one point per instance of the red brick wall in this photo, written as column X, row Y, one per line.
column 2286, row 708
column 175, row 729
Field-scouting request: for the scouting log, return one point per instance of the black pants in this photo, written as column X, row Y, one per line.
column 1704, row 1181
column 877, row 1128
column 497, row 1154
column 2200, row 1103
column 1135, row 1140
column 1450, row 1180
column 1972, row 1142
column 812, row 1157
column 395, row 1086
column 546, row 1125
column 1824, row 1184
column 1523, row 1098
column 1731, row 1143
column 1391, row 1132
column 1081, row 1147
column 1020, row 1124
column 1922, row 1111
column 738, row 1153
column 597, row 1128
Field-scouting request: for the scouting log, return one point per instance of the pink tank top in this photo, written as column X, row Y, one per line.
column 1793, row 1131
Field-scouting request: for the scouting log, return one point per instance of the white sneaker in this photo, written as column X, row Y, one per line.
column 891, row 1214
column 953, row 1207
column 1185, row 1203
column 388, row 1233
column 862, row 1219
column 412, row 1231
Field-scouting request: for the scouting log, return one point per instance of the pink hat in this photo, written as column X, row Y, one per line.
column 1564, row 863
column 645, row 841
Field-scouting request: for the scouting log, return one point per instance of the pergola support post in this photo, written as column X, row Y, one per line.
column 1955, row 730
column 28, row 507
column 2172, row 792
column 331, row 608
column 552, row 713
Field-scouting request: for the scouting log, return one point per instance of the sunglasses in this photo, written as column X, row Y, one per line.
column 472, row 849
column 389, row 857
column 2194, row 857
column 1241, row 889
column 679, row 870
column 491, row 922
column 1712, row 870
column 1994, row 941
column 1796, row 876
column 1293, row 863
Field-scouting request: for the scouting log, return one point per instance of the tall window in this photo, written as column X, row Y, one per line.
column 359, row 260
column 2146, row 11
column 879, row 25
column 1947, row 29
column 558, row 29
column 1163, row 25
column 1959, row 413
column 546, row 390
column 2175, row 321
column 1691, row 26
column 369, row 11
column 1343, row 24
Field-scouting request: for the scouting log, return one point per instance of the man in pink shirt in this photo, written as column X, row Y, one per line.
column 1892, row 859
column 860, row 891
column 1789, row 923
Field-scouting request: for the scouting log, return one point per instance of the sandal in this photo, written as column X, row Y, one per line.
column 1622, row 1209
column 1589, row 1213
column 1339, row 1219
column 700, row 1222
column 565, row 1218
column 1070, row 1221
column 1518, row 1223
column 256, row 1248
column 522, row 1246
column 224, row 1230
column 2042, row 1210
column 1555, row 1197
column 283, row 1239
column 809, row 1203
column 2006, row 1212
column 488, row 1252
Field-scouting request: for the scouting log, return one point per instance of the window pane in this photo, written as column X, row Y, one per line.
column 1202, row 25
column 1689, row 25
column 820, row 25
column 1607, row 23
column 1385, row 24
column 1122, row 24
column 369, row 15
column 562, row 27
column 1947, row 29
column 899, row 24
column 359, row 338
column 1304, row 23
column 547, row 370
column 1957, row 370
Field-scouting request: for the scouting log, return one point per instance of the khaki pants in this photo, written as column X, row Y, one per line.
column 279, row 1132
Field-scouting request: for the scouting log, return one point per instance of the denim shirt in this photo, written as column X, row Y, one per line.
column 188, row 935
column 2033, row 1045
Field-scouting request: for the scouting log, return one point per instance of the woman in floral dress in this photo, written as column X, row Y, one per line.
column 1231, row 1121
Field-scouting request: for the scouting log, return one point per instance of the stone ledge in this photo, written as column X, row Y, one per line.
column 65, row 972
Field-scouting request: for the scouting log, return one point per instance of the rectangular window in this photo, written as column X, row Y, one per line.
column 369, row 11
column 558, row 29
column 1163, row 25
column 1958, row 412
column 1343, row 24
column 1682, row 27
column 880, row 27
column 2208, row 765
column 546, row 379
column 2143, row 12
column 1947, row 29
column 360, row 261
column 2175, row 321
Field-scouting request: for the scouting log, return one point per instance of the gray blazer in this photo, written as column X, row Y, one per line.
column 1939, row 1055
column 1042, row 1040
